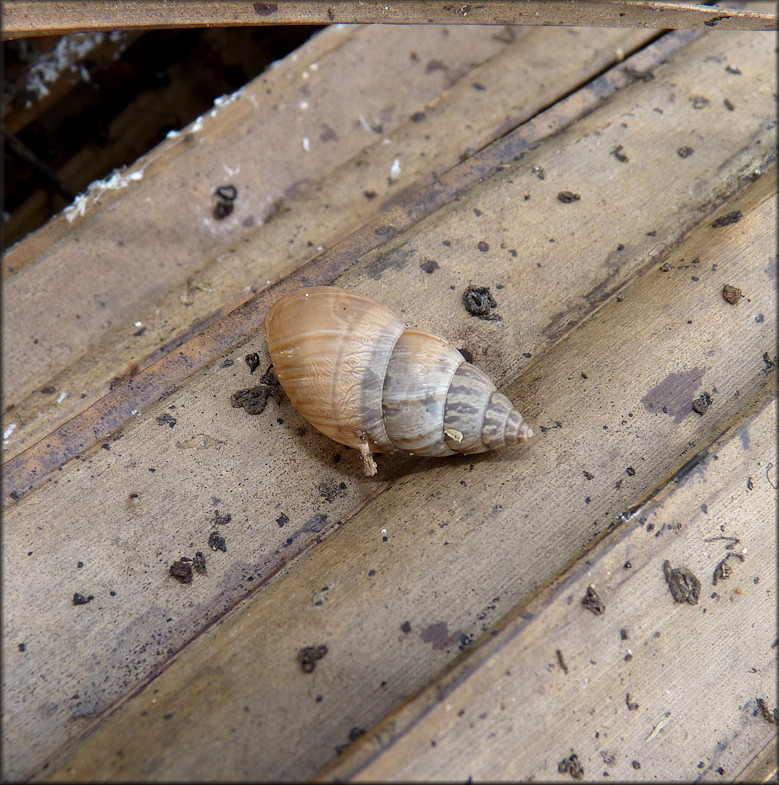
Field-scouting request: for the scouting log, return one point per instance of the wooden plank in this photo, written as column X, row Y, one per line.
column 261, row 470
column 202, row 276
column 33, row 17
column 449, row 551
column 650, row 689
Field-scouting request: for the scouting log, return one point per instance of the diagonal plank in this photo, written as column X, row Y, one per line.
column 448, row 550
column 260, row 468
column 556, row 679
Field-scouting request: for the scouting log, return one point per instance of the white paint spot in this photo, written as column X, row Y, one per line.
column 197, row 125
column 8, row 431
column 314, row 66
column 230, row 171
column 304, row 104
column 306, row 144
column 116, row 181
column 172, row 134
column 139, row 324
column 61, row 397
column 395, row 170
column 305, row 75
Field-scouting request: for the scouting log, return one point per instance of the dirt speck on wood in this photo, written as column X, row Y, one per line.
column 683, row 584
column 571, row 765
column 309, row 655
column 592, row 602
column 181, row 570
column 479, row 302
column 731, row 294
column 726, row 220
column 767, row 713
column 253, row 361
column 566, row 197
column 701, row 404
column 216, row 542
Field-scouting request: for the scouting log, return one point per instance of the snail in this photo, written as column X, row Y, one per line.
column 354, row 370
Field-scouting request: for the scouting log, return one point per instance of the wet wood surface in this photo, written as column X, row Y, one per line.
column 429, row 581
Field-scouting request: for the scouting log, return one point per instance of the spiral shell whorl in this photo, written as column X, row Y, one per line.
column 354, row 371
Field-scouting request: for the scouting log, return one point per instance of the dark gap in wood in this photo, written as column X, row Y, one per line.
column 178, row 72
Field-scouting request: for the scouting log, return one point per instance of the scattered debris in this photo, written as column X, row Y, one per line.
column 561, row 661
column 732, row 541
column 308, row 656
column 768, row 714
column 167, row 419
column 770, row 362
column 571, row 765
column 221, row 519
column 726, row 220
column 685, row 151
column 255, row 399
column 479, row 302
column 566, row 197
column 429, row 266
column 684, row 586
column 701, row 404
column 80, row 599
column 619, row 155
column 225, row 201
column 216, row 542
column 660, row 725
column 592, row 602
column 253, row 361
column 730, row 294
column 632, row 705
column 723, row 570
column 199, row 563
column 181, row 570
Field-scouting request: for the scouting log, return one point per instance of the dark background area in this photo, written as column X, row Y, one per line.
column 77, row 107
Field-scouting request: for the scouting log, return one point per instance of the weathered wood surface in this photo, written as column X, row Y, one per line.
column 188, row 269
column 449, row 546
column 649, row 690
column 35, row 17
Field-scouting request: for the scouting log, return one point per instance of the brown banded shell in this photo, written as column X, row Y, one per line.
column 354, row 370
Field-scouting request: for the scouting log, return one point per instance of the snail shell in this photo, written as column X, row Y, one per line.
column 354, row 370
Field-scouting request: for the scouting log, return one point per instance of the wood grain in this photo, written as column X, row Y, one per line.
column 613, row 322
column 459, row 550
column 623, row 691
column 35, row 17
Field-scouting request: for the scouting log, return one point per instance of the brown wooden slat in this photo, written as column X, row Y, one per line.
column 259, row 468
column 34, row 17
column 516, row 708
